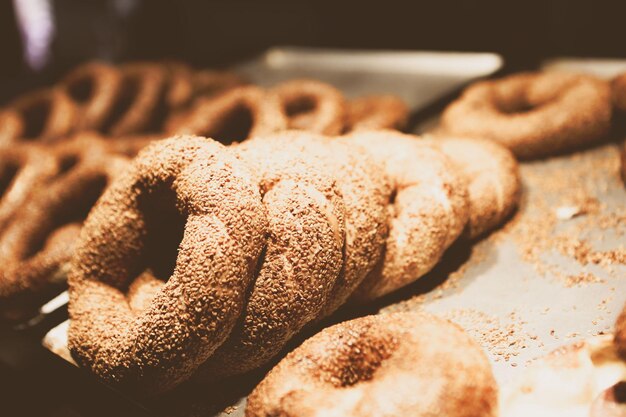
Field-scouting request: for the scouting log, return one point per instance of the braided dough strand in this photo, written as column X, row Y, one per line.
column 224, row 228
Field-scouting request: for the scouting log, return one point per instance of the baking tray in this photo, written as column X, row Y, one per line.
column 547, row 278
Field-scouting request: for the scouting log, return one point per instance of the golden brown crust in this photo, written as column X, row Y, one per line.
column 216, row 233
column 493, row 180
column 305, row 210
column 374, row 366
column 312, row 105
column 533, row 114
column 382, row 111
column 235, row 115
column 37, row 244
column 428, row 205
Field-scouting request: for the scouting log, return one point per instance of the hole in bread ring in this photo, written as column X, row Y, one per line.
column 194, row 311
column 233, row 116
column 44, row 115
column 93, row 87
column 312, row 105
column 389, row 364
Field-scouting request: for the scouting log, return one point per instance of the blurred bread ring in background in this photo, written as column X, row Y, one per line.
column 377, row 112
column 233, row 116
column 533, row 114
column 312, row 105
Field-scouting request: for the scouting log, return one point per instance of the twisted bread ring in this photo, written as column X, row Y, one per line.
column 402, row 364
column 219, row 225
column 45, row 115
column 303, row 255
column 428, row 207
column 493, row 180
column 137, row 102
column 366, row 190
column 94, row 88
column 618, row 89
column 312, row 105
column 377, row 112
column 37, row 244
column 23, row 168
column 533, row 114
column 235, row 115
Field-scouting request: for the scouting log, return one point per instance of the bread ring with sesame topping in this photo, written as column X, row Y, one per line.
column 533, row 114
column 233, row 116
column 207, row 252
column 377, row 112
column 23, row 169
column 365, row 188
column 38, row 242
column 400, row 364
column 303, row 255
column 93, row 87
column 493, row 180
column 43, row 116
column 312, row 105
column 428, row 206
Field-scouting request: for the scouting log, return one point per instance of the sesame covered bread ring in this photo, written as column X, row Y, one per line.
column 312, row 105
column 233, row 116
column 377, row 112
column 401, row 364
column 93, row 87
column 365, row 189
column 23, row 169
column 36, row 247
column 138, row 100
column 44, row 115
column 618, row 90
column 213, row 241
column 303, row 255
column 533, row 114
column 493, row 180
column 428, row 208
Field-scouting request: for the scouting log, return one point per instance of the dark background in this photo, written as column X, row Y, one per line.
column 218, row 33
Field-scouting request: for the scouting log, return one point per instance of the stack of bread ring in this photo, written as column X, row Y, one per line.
column 265, row 211
column 265, row 237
